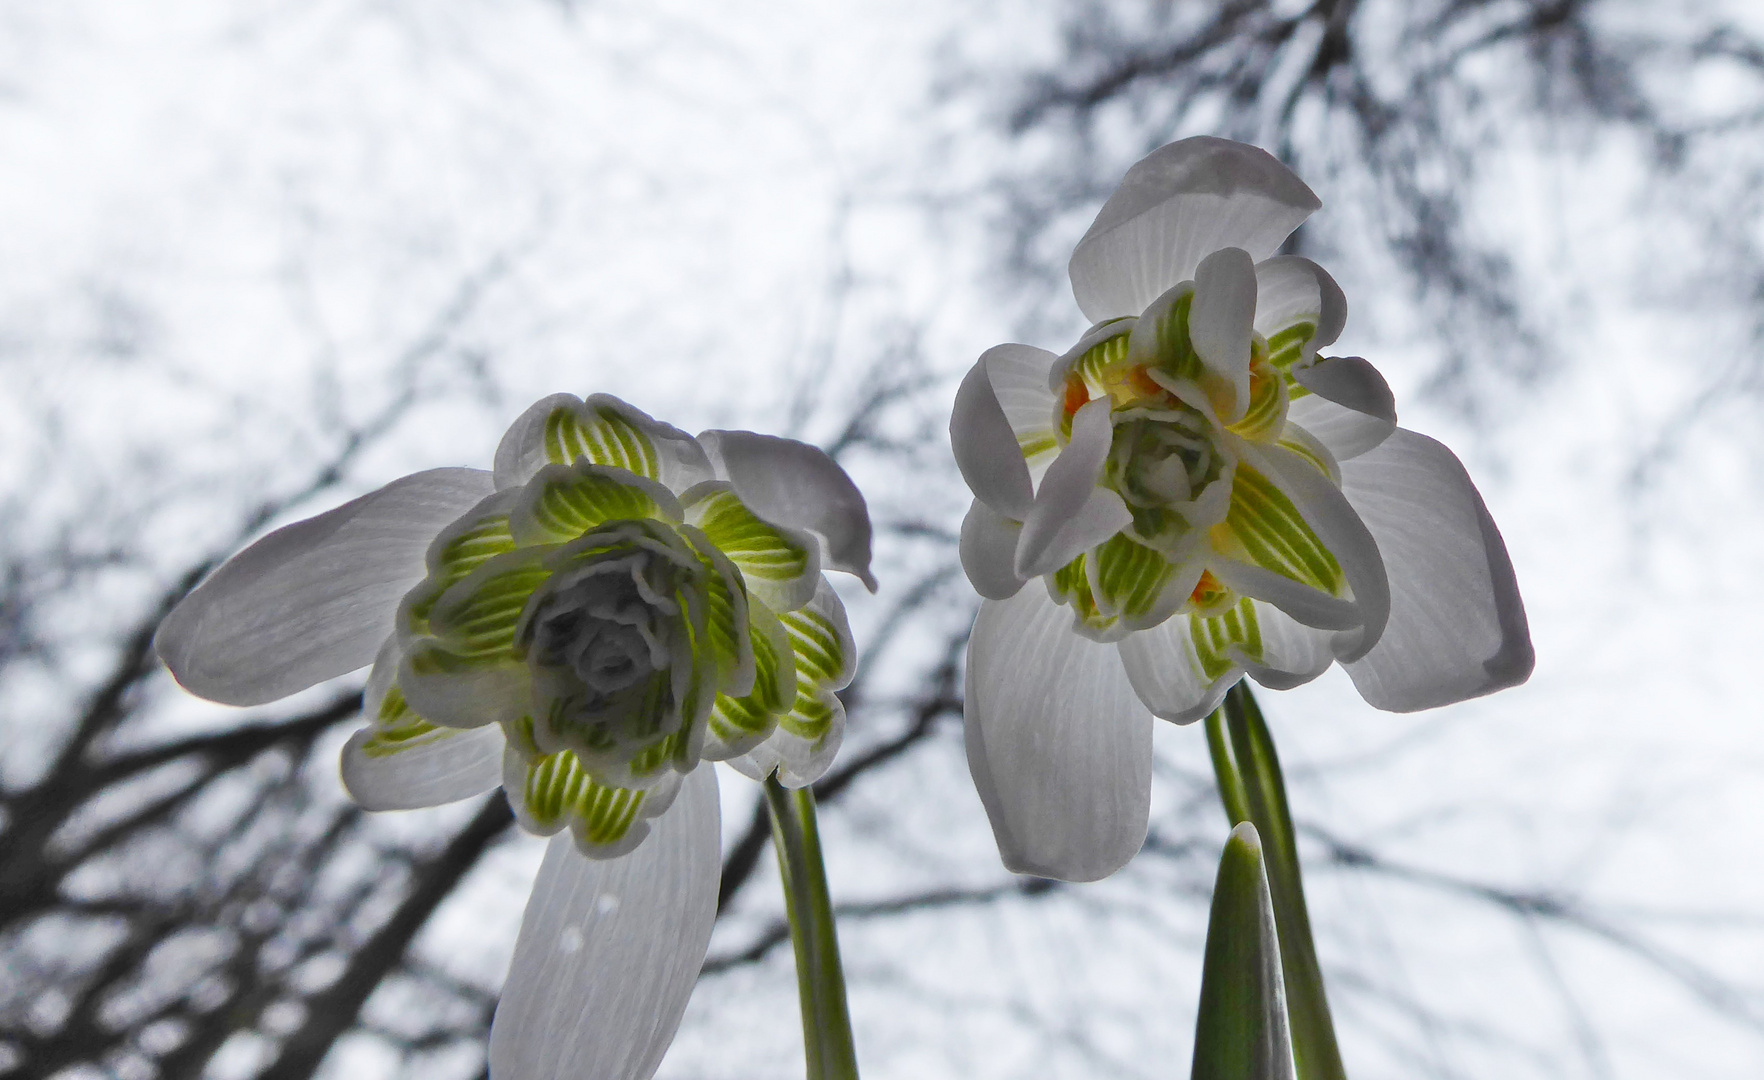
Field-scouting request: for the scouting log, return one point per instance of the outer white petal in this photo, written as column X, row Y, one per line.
column 986, row 448
column 609, row 950
column 1019, row 375
column 443, row 767
column 1292, row 289
column 792, row 483
column 989, row 551
column 1161, row 666
column 1221, row 321
column 1350, row 408
column 1059, row 747
column 314, row 599
column 1173, row 209
column 1071, row 513
column 1457, row 624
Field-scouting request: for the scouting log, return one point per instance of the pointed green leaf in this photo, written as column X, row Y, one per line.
column 1241, row 1032
column 1253, row 790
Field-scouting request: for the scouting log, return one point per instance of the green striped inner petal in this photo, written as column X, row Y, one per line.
column 1127, row 578
column 763, row 551
column 1070, row 584
column 558, row 791
column 1287, row 345
column 478, row 615
column 397, row 728
column 727, row 613
column 1214, row 638
column 1273, row 534
column 822, row 646
column 601, row 434
column 1266, row 415
column 815, row 714
column 1174, row 352
column 460, row 549
column 1098, row 364
column 1035, row 443
column 563, row 503
column 737, row 724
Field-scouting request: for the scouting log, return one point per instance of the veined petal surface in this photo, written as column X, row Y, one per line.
column 401, row 761
column 1059, row 746
column 1349, row 409
column 563, row 429
column 1019, row 375
column 1174, row 208
column 794, row 484
column 1457, row 624
column 609, row 950
column 986, row 448
column 1299, row 309
column 1071, row 513
column 312, row 600
column 1221, row 321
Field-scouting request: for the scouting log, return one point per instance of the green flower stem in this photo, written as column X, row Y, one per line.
column 1251, row 787
column 826, row 1025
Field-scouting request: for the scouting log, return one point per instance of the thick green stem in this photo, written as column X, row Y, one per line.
column 826, row 1025
column 1251, row 786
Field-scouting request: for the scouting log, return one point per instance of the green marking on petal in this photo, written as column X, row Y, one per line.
column 478, row 615
column 1070, row 585
column 814, row 715
column 1214, row 638
column 1101, row 363
column 1266, row 415
column 1287, row 345
column 561, row 503
column 601, row 434
column 1127, row 578
column 823, row 647
column 397, row 728
column 737, row 724
column 762, row 550
column 1173, row 351
column 1035, row 443
column 727, row 609
column 558, row 790
column 1274, row 535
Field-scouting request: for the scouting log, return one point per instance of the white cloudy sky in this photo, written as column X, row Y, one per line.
column 227, row 226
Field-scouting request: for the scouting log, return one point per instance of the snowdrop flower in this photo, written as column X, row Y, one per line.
column 614, row 604
column 1203, row 497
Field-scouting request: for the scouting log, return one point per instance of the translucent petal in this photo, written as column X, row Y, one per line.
column 315, row 599
column 400, row 761
column 463, row 691
column 804, row 744
column 1299, row 309
column 561, row 502
column 563, row 428
column 1457, row 623
column 781, row 565
column 797, row 485
column 1350, row 408
column 1174, row 208
column 986, row 448
column 555, row 792
column 989, row 552
column 1166, row 675
column 609, row 951
column 1220, row 323
column 1071, row 514
column 1059, row 746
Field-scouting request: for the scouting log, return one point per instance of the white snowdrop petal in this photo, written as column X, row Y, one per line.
column 1174, row 208
column 988, row 552
column 439, row 766
column 609, row 950
column 1457, row 624
column 1161, row 666
column 1071, row 514
column 792, row 483
column 1059, row 746
column 1350, row 408
column 986, row 448
column 315, row 599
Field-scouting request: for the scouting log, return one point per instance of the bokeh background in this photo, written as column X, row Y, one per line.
column 258, row 257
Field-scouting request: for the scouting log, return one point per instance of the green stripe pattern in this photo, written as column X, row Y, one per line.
column 1215, row 639
column 1128, row 577
column 397, row 728
column 763, row 551
column 1275, row 536
column 561, row 504
column 737, row 724
column 1071, row 585
column 558, row 791
column 599, row 432
column 1175, row 355
column 1286, row 346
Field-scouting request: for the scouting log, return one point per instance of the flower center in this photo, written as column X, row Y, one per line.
column 603, row 630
